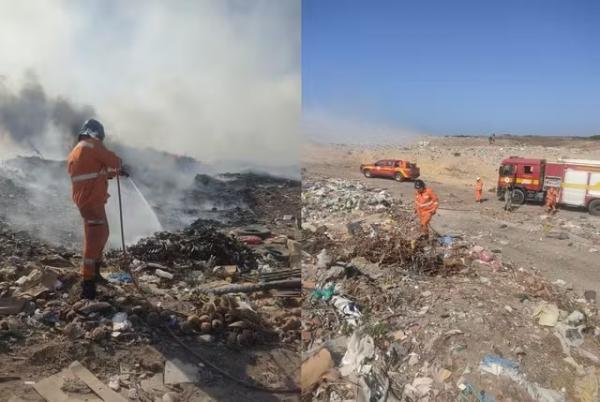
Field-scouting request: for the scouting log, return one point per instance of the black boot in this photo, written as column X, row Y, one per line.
column 99, row 279
column 88, row 289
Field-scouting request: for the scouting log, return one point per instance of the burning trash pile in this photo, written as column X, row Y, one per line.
column 388, row 318
column 200, row 285
column 194, row 244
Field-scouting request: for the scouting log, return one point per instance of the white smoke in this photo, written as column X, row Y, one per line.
column 212, row 79
column 327, row 128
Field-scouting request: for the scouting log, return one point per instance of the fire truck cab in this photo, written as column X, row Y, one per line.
column 578, row 181
column 525, row 176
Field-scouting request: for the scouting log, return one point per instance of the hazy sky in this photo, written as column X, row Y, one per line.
column 450, row 67
column 212, row 79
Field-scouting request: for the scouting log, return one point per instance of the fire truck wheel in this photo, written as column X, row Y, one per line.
column 367, row 173
column 594, row 207
column 399, row 177
column 518, row 197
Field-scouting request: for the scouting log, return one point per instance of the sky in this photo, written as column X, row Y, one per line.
column 212, row 79
column 393, row 67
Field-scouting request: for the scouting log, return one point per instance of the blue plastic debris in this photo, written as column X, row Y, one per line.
column 119, row 277
column 445, row 240
column 481, row 396
column 494, row 364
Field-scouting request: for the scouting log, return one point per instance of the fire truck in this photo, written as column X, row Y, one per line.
column 578, row 181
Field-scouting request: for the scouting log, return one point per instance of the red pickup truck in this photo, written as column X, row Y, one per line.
column 393, row 168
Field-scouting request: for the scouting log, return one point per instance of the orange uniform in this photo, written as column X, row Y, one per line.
column 426, row 204
column 478, row 190
column 551, row 198
column 90, row 165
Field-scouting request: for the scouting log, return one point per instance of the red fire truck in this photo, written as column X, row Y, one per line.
column 578, row 181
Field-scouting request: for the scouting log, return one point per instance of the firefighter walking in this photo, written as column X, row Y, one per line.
column 551, row 199
column 90, row 165
column 478, row 190
column 426, row 205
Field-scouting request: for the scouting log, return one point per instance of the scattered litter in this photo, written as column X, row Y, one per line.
column 120, row 322
column 348, row 308
column 547, row 314
column 503, row 367
column 314, row 367
column 178, row 372
column 163, row 274
column 324, row 293
column 122, row 277
column 446, row 241
column 360, row 349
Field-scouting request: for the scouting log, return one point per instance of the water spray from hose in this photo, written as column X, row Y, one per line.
column 147, row 204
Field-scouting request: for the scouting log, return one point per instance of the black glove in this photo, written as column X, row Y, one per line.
column 124, row 171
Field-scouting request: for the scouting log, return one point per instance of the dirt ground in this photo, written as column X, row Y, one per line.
column 43, row 336
column 450, row 166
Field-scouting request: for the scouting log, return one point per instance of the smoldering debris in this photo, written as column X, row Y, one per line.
column 36, row 195
column 209, row 284
column 195, row 243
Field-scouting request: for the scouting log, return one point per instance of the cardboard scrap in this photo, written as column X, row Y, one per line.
column 314, row 367
column 96, row 385
column 50, row 388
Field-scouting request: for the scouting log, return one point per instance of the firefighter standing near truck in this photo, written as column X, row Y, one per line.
column 426, row 205
column 551, row 199
column 478, row 190
column 90, row 165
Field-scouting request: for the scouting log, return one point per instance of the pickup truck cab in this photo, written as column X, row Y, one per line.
column 396, row 169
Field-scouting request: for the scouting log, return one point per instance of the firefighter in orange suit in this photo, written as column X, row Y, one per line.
column 426, row 205
column 90, row 165
column 478, row 189
column 551, row 199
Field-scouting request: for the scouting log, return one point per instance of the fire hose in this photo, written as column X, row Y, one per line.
column 178, row 340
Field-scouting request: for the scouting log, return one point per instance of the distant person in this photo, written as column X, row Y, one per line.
column 426, row 205
column 478, row 189
column 551, row 200
column 508, row 194
column 493, row 138
column 90, row 165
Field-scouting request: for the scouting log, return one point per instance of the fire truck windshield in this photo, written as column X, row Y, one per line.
column 506, row 170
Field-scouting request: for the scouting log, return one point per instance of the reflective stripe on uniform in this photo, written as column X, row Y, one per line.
column 87, row 176
column 426, row 204
column 95, row 222
column 82, row 177
column 89, row 261
column 85, row 144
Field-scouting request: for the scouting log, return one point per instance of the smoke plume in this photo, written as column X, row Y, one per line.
column 212, row 79
column 28, row 114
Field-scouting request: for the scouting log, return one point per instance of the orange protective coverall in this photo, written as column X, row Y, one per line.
column 426, row 204
column 90, row 165
column 551, row 198
column 478, row 190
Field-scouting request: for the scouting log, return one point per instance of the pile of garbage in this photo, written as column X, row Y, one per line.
column 388, row 318
column 322, row 198
column 200, row 284
column 194, row 244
